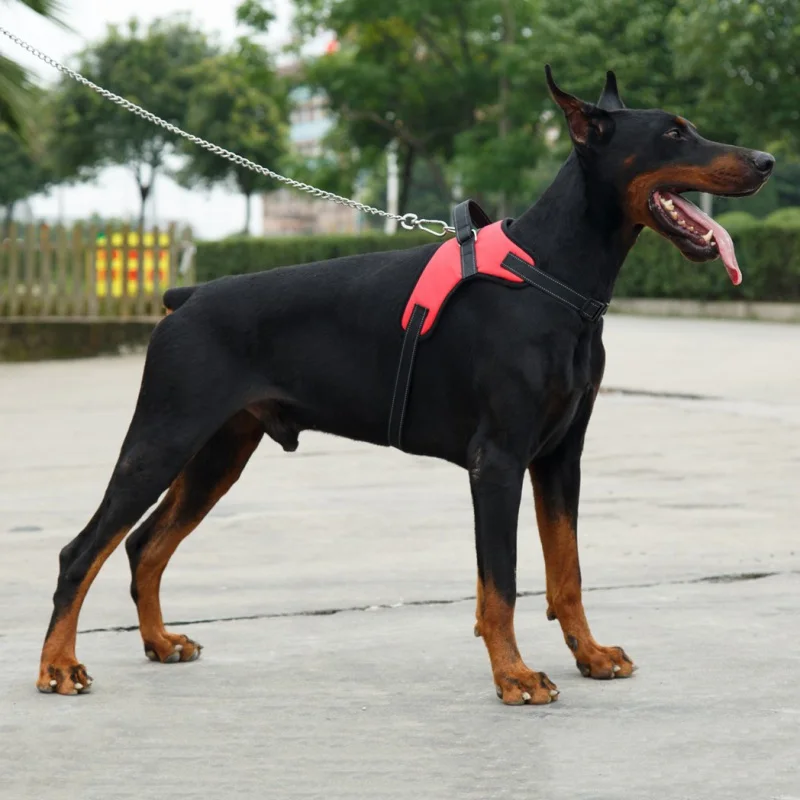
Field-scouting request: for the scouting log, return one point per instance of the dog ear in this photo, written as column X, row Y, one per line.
column 610, row 99
column 588, row 124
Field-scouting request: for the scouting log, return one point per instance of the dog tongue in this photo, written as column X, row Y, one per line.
column 723, row 239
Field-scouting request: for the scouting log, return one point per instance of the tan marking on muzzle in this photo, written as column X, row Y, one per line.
column 726, row 174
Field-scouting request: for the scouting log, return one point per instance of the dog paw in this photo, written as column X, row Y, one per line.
column 604, row 663
column 64, row 678
column 170, row 648
column 525, row 687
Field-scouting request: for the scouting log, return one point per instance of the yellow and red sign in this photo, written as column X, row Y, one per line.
column 152, row 253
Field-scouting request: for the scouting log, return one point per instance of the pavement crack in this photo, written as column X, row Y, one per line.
column 329, row 612
column 657, row 394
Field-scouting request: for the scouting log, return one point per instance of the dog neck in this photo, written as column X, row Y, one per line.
column 577, row 231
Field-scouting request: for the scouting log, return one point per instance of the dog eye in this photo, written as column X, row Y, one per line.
column 674, row 133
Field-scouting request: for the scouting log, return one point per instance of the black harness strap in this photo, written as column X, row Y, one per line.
column 402, row 383
column 589, row 309
column 467, row 218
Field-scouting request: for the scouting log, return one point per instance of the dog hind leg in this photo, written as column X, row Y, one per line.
column 200, row 485
column 181, row 404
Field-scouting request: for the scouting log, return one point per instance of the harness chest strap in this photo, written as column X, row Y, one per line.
column 469, row 255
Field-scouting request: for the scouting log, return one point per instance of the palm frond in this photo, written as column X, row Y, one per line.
column 49, row 9
column 15, row 96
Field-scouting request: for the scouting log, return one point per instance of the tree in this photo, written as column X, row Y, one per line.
column 15, row 82
column 155, row 68
column 255, row 14
column 459, row 83
column 239, row 102
column 23, row 171
column 744, row 58
column 413, row 72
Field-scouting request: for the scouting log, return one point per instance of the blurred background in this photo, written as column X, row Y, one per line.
column 409, row 107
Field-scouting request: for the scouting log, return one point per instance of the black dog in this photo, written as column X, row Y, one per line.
column 505, row 384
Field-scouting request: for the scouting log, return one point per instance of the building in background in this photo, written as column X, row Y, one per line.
column 288, row 212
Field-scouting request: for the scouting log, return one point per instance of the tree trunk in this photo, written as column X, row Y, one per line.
column 7, row 221
column 406, row 179
column 504, row 94
column 144, row 193
column 247, row 198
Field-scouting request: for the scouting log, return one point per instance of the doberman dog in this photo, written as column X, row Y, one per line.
column 505, row 386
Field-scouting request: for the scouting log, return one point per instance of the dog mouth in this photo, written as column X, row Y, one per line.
column 692, row 231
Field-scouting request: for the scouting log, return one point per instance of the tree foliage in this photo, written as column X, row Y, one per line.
column 24, row 171
column 239, row 102
column 415, row 72
column 743, row 61
column 154, row 67
column 16, row 85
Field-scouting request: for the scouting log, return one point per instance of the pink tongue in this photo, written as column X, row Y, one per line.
column 723, row 239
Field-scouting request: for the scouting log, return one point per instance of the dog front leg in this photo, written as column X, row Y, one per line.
column 556, row 485
column 496, row 480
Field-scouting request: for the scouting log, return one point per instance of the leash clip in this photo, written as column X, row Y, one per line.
column 443, row 232
column 411, row 221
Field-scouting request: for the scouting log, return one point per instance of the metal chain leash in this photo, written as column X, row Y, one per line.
column 407, row 221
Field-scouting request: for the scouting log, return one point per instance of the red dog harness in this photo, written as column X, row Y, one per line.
column 492, row 255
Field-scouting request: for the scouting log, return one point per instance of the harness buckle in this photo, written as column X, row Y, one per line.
column 593, row 310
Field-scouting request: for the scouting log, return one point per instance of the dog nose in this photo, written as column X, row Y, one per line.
column 764, row 162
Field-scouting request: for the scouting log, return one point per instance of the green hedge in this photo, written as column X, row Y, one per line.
column 769, row 255
column 242, row 254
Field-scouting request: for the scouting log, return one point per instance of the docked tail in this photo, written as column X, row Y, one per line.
column 175, row 298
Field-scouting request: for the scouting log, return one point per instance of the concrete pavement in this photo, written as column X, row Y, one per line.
column 686, row 502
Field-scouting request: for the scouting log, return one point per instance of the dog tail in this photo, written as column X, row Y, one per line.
column 175, row 298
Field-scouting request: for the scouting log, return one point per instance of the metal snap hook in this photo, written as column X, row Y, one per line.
column 423, row 225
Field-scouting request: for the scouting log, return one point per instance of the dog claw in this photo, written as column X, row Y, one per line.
column 78, row 686
column 179, row 647
column 526, row 696
column 617, row 668
column 554, row 693
column 54, row 683
column 194, row 655
column 498, row 691
column 173, row 657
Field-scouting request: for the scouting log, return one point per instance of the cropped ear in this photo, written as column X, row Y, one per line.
column 588, row 124
column 610, row 99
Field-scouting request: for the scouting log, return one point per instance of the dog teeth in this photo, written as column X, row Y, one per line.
column 681, row 222
column 673, row 214
column 709, row 236
column 668, row 204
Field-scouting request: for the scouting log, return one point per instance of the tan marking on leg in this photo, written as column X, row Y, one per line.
column 564, row 596
column 479, row 609
column 515, row 683
column 171, row 528
column 58, row 660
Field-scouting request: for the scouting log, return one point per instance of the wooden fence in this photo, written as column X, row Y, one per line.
column 88, row 272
